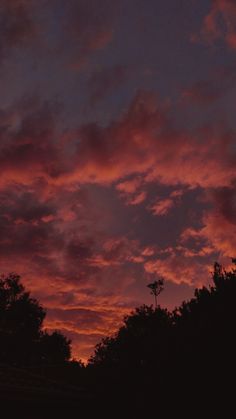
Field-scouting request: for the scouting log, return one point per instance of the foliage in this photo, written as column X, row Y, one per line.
column 55, row 348
column 156, row 288
column 22, row 340
column 161, row 341
column 157, row 356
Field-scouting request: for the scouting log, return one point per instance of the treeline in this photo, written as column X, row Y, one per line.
column 150, row 335
column 23, row 342
column 155, row 358
column 159, row 356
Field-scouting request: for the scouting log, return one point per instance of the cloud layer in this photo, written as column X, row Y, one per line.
column 113, row 171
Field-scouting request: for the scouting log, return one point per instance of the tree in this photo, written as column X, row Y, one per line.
column 55, row 348
column 156, row 288
column 22, row 340
column 205, row 327
column 140, row 341
column 180, row 342
column 21, row 319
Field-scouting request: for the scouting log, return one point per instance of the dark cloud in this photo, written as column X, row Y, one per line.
column 202, row 93
column 225, row 201
column 90, row 27
column 29, row 149
column 104, row 81
column 220, row 23
column 207, row 92
column 19, row 205
column 17, row 27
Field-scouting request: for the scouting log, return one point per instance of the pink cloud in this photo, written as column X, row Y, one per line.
column 130, row 191
column 220, row 233
column 163, row 206
column 179, row 267
column 129, row 186
column 218, row 225
column 144, row 142
column 138, row 199
column 220, row 23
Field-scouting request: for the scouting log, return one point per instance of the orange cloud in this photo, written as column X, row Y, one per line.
column 129, row 186
column 218, row 225
column 220, row 233
column 162, row 207
column 143, row 142
column 130, row 191
column 180, row 267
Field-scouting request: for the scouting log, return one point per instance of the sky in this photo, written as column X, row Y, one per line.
column 117, row 153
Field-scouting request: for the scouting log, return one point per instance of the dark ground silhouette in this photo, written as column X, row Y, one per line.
column 157, row 361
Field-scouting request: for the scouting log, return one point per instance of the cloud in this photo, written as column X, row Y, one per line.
column 206, row 92
column 138, row 199
column 143, row 142
column 28, row 151
column 220, row 233
column 216, row 235
column 17, row 27
column 178, row 265
column 105, row 81
column 129, row 186
column 163, row 206
column 84, row 326
column 89, row 30
column 96, row 204
column 220, row 23
column 202, row 93
column 79, row 246
column 130, row 191
column 219, row 224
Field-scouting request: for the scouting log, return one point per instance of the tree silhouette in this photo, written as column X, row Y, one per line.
column 155, row 357
column 21, row 319
column 55, row 348
column 160, row 355
column 22, row 340
column 138, row 342
column 156, row 288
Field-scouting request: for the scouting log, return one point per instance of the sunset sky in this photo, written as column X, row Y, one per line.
column 117, row 153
